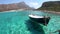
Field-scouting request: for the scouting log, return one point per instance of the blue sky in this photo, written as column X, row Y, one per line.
column 31, row 3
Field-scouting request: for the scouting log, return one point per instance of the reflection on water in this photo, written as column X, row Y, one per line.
column 34, row 28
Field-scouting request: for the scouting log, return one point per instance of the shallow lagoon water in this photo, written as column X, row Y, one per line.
column 19, row 23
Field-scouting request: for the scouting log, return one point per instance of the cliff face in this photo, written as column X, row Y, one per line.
column 14, row 6
column 52, row 5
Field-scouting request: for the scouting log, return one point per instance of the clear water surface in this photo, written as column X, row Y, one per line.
column 18, row 22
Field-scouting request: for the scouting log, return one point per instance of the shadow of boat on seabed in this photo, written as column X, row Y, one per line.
column 34, row 28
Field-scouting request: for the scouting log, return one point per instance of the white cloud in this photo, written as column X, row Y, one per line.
column 34, row 4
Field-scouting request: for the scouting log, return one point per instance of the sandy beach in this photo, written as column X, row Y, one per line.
column 12, row 11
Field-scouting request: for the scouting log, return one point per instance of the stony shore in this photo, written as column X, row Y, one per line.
column 54, row 12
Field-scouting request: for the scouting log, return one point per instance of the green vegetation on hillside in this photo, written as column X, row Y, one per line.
column 52, row 6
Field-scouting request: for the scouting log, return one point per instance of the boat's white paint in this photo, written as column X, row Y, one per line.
column 35, row 16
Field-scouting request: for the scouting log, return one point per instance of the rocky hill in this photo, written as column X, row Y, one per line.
column 14, row 6
column 51, row 5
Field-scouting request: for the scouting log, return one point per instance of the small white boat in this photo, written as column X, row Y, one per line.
column 35, row 16
column 40, row 19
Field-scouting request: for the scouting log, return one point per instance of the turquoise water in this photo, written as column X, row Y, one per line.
column 19, row 23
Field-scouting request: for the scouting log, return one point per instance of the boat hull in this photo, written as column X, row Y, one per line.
column 41, row 20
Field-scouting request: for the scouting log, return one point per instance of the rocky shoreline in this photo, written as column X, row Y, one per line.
column 54, row 12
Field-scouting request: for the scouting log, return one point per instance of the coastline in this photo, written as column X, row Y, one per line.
column 12, row 11
column 53, row 12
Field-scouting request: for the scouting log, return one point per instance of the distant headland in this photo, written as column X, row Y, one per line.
column 50, row 6
column 14, row 6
